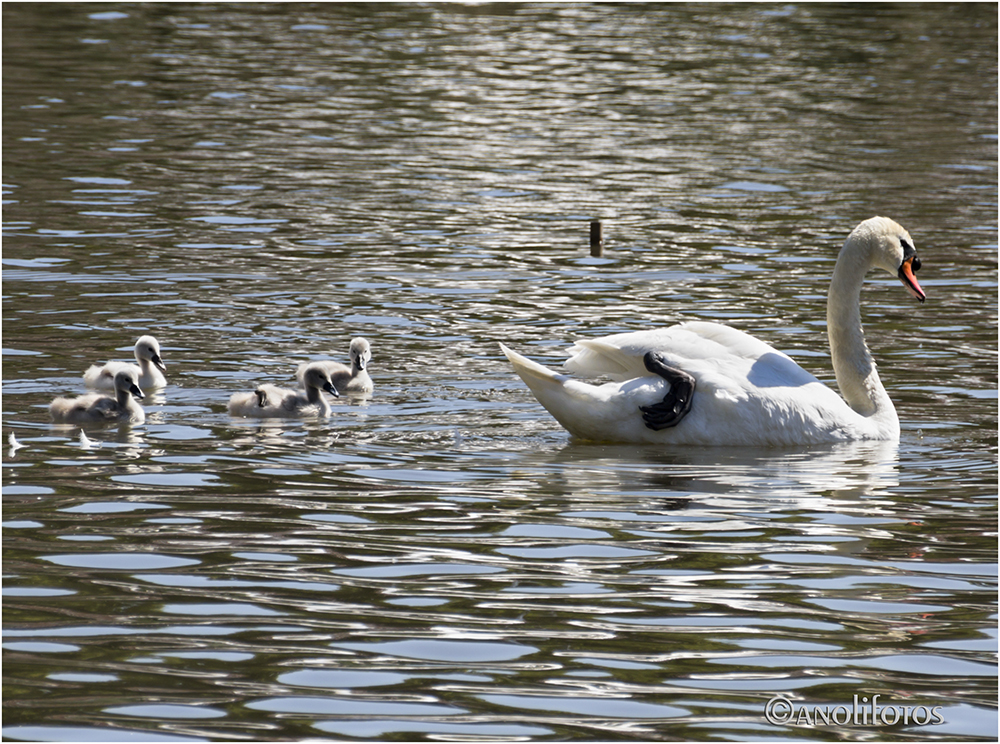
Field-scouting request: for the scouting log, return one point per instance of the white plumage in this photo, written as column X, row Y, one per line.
column 149, row 370
column 746, row 392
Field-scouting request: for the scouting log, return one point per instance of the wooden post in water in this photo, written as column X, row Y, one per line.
column 596, row 238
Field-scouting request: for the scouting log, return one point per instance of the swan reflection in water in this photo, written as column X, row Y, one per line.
column 831, row 477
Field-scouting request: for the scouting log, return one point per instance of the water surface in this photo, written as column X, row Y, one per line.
column 257, row 184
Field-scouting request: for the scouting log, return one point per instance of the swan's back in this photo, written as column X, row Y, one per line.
column 92, row 408
column 747, row 393
column 247, row 405
column 620, row 356
column 270, row 401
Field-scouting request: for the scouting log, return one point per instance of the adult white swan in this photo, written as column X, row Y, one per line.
column 705, row 383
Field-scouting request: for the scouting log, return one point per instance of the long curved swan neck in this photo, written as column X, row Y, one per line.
column 853, row 364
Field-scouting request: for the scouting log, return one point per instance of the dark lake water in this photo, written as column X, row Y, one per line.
column 256, row 184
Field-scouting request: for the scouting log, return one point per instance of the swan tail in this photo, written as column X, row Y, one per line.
column 574, row 404
column 596, row 358
column 534, row 375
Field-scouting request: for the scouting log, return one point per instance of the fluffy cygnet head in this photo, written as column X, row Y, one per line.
column 361, row 352
column 316, row 376
column 127, row 381
column 148, row 348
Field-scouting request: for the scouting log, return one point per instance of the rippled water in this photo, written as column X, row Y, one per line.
column 256, row 184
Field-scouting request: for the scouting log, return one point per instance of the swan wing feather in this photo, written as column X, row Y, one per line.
column 747, row 392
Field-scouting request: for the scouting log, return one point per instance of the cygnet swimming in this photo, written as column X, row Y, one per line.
column 270, row 401
column 150, row 370
column 96, row 408
column 348, row 379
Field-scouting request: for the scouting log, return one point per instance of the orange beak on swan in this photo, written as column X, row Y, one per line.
column 907, row 276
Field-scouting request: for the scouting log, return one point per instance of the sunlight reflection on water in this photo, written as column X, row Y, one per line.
column 441, row 560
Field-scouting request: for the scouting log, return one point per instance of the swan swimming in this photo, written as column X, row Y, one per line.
column 708, row 384
column 270, row 401
column 96, row 408
column 348, row 379
column 150, row 369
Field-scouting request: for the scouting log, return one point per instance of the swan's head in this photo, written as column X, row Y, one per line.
column 891, row 248
column 361, row 353
column 128, row 381
column 148, row 348
column 316, row 376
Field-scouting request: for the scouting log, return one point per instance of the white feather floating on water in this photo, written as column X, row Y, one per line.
column 86, row 442
column 14, row 444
